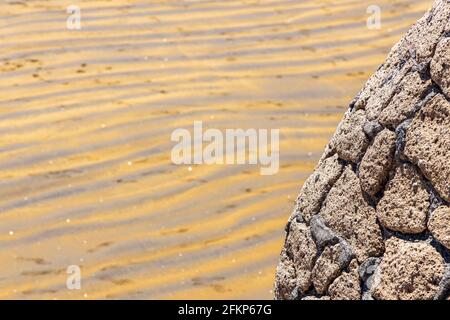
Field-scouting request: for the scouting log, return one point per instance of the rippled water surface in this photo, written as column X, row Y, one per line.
column 85, row 122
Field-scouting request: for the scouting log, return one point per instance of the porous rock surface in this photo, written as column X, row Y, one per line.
column 439, row 225
column 375, row 165
column 408, row 271
column 373, row 220
column 405, row 202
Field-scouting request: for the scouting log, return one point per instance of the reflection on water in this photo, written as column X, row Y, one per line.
column 85, row 123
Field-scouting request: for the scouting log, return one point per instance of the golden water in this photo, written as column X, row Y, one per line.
column 85, row 121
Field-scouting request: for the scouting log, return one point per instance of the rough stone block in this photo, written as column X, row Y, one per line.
column 439, row 225
column 440, row 66
column 317, row 186
column 404, row 103
column 350, row 141
column 296, row 262
column 405, row 203
column 408, row 271
column 347, row 286
column 330, row 264
column 428, row 143
column 346, row 212
column 377, row 162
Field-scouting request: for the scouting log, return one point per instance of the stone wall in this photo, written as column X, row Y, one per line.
column 373, row 220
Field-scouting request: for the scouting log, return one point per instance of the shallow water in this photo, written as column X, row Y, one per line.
column 85, row 122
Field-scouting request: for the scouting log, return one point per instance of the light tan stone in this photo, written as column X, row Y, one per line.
column 405, row 202
column 349, row 141
column 404, row 103
column 423, row 36
column 347, row 213
column 392, row 76
column 285, row 278
column 377, row 162
column 408, row 271
column 440, row 66
column 317, row 186
column 428, row 143
column 439, row 225
column 329, row 265
column 347, row 286
column 296, row 262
